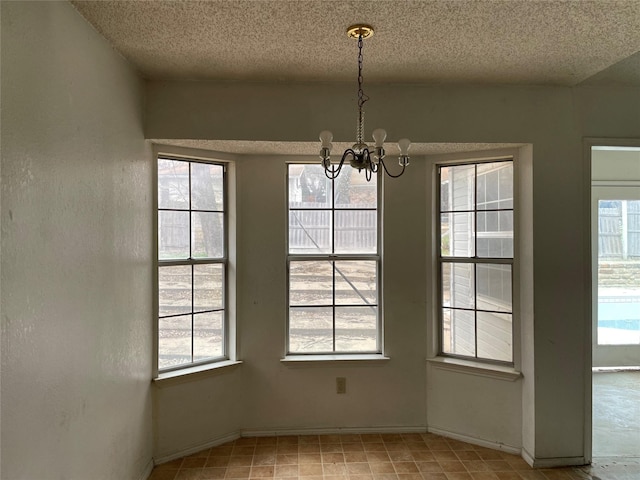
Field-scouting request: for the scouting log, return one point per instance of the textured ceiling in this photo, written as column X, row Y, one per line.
column 550, row 42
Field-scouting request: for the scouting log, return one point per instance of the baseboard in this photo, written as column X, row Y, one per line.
column 621, row 460
column 527, row 457
column 258, row 432
column 197, row 447
column 476, row 441
column 615, row 369
column 274, row 432
column 147, row 470
column 266, row 432
column 552, row 462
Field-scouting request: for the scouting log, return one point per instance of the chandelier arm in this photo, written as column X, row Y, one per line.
column 347, row 152
column 331, row 174
column 336, row 171
column 387, row 171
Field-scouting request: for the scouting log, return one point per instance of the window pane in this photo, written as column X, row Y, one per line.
column 458, row 285
column 332, row 217
column 207, row 335
column 356, row 283
column 173, row 184
column 208, row 281
column 309, row 231
column 493, row 283
column 207, row 234
column 206, row 187
column 356, row 329
column 495, row 331
column 185, row 235
column 460, row 189
column 458, row 336
column 309, row 187
column 352, row 190
column 495, row 185
column 310, row 283
column 174, row 290
column 472, row 289
column 310, row 330
column 173, row 235
column 174, row 341
column 356, row 231
column 457, row 231
column 618, row 289
column 495, row 234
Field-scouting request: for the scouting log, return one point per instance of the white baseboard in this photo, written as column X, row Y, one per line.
column 552, row 462
column 197, row 448
column 274, row 432
column 257, row 432
column 615, row 369
column 147, row 470
column 527, row 457
column 476, row 441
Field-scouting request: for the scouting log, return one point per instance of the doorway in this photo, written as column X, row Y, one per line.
column 615, row 220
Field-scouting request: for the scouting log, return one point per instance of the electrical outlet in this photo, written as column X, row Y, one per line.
column 341, row 385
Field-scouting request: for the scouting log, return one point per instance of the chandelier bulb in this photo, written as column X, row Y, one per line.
column 379, row 136
column 325, row 137
column 403, row 145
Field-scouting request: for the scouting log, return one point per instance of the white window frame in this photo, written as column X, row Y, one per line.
column 439, row 260
column 333, row 257
column 227, row 358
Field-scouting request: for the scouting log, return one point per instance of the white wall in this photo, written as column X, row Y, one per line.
column 76, row 252
column 282, row 396
column 555, row 343
column 76, row 259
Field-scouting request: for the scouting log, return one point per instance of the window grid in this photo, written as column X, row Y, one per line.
column 164, row 264
column 333, row 258
column 474, row 260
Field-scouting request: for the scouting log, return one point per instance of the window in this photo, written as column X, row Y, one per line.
column 475, row 260
column 333, row 262
column 617, row 224
column 192, row 263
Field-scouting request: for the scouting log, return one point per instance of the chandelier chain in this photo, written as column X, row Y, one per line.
column 362, row 97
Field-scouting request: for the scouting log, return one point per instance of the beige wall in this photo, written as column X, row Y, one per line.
column 76, row 252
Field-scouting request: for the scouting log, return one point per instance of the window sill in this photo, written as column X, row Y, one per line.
column 333, row 359
column 194, row 373
column 497, row 372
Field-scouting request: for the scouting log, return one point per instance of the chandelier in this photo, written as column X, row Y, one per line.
column 361, row 155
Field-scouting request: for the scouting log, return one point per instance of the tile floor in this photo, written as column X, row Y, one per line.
column 370, row 457
column 616, row 414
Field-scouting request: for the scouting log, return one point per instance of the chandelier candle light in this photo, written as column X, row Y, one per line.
column 361, row 155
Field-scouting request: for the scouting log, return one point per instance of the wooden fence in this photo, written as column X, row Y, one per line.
column 619, row 229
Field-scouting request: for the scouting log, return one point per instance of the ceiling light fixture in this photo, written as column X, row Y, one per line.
column 361, row 155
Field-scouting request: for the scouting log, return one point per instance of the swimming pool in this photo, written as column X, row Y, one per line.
column 631, row 324
column 619, row 321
